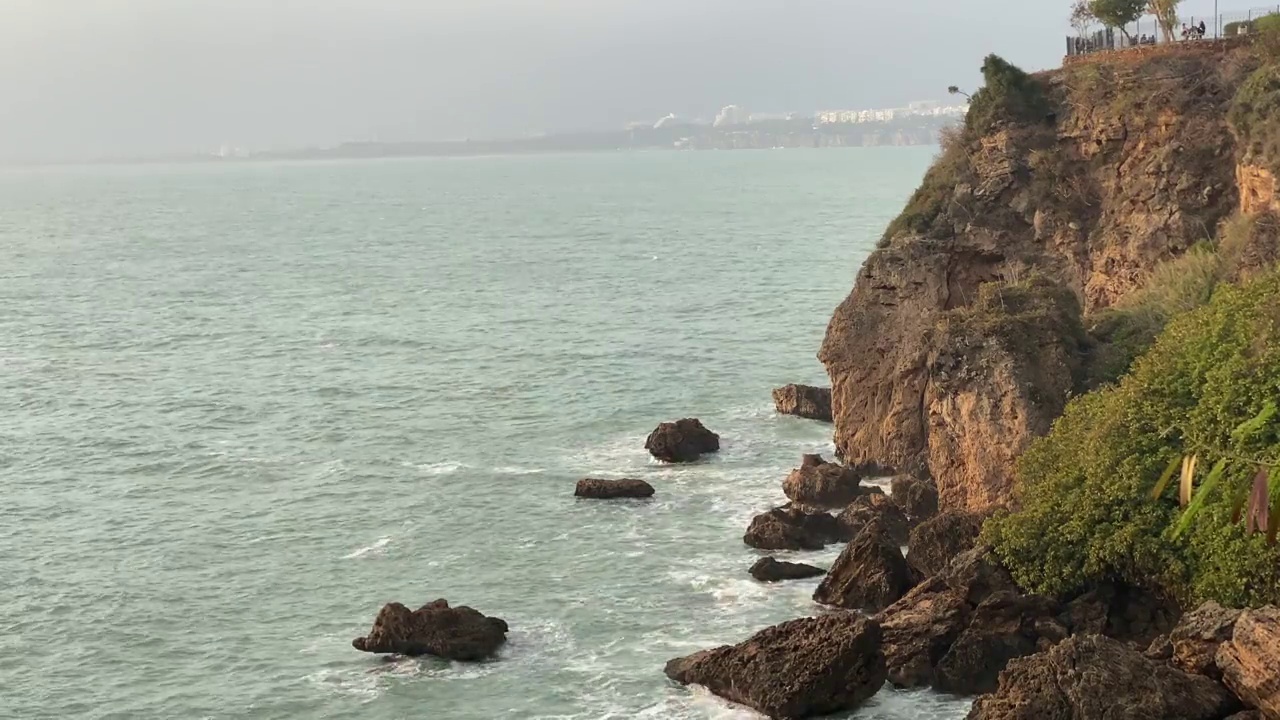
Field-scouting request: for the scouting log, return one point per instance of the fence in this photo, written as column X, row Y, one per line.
column 1147, row 31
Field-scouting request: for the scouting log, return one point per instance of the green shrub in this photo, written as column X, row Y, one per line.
column 1009, row 95
column 1084, row 491
column 1254, row 116
column 1267, row 29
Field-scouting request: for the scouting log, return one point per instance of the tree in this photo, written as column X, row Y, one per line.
column 954, row 90
column 1166, row 13
column 1082, row 17
column 1119, row 13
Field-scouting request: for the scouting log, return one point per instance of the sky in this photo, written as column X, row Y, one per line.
column 92, row 78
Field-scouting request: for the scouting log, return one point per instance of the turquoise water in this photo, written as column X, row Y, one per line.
column 245, row 405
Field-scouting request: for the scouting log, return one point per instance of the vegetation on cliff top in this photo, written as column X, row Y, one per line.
column 1009, row 95
column 1086, row 512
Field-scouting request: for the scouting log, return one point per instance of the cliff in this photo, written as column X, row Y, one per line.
column 963, row 336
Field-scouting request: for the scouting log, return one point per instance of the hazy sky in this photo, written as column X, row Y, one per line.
column 92, row 77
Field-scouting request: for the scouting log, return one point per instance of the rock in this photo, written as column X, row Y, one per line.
column 1159, row 649
column 936, row 541
column 1121, row 612
column 821, row 484
column 681, row 441
column 917, row 498
column 803, row 401
column 793, row 528
column 921, row 628
column 1091, row 677
column 770, row 570
column 1197, row 636
column 609, row 489
column 1250, row 662
column 1248, row 715
column 459, row 633
column 918, row 631
column 872, row 508
column 870, row 573
column 1005, row 626
column 799, row 669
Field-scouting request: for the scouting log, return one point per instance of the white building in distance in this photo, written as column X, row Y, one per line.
column 732, row 115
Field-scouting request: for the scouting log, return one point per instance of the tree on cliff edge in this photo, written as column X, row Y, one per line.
column 1117, row 13
column 1166, row 14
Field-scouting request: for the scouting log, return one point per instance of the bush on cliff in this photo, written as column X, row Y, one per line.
column 1084, row 491
column 932, row 198
column 1253, row 116
column 1009, row 95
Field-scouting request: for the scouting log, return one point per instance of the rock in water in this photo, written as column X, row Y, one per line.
column 681, row 441
column 803, row 401
column 821, row 484
column 459, row 633
column 609, row 489
column 936, row 541
column 770, row 570
column 1091, row 677
column 876, row 508
column 870, row 573
column 917, row 498
column 799, row 669
column 1250, row 663
column 793, row 528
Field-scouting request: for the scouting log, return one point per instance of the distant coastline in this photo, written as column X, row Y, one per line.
column 759, row 135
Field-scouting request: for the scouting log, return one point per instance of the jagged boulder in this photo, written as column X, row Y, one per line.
column 1250, row 662
column 934, row 542
column 793, row 528
column 803, row 401
column 875, row 507
column 681, row 441
column 768, row 569
column 921, row 628
column 821, row 484
column 1004, row 626
column 1091, row 677
column 870, row 573
column 610, row 489
column 799, row 669
column 459, row 633
column 1194, row 642
column 917, row 497
column 1122, row 612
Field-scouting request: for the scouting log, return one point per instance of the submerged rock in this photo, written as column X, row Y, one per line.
column 821, row 484
column 793, row 528
column 771, row 570
column 803, row 401
column 1250, row 662
column 1091, row 677
column 681, row 441
column 870, row 573
column 459, row 633
column 799, row 669
column 609, row 489
column 936, row 541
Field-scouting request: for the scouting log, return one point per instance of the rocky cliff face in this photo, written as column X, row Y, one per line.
column 934, row 370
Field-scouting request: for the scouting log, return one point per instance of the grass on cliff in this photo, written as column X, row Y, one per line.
column 934, row 196
column 1084, row 491
column 1255, row 117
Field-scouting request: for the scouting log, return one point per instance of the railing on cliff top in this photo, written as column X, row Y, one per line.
column 1147, row 31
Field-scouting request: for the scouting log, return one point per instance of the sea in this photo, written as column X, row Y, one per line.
column 243, row 405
